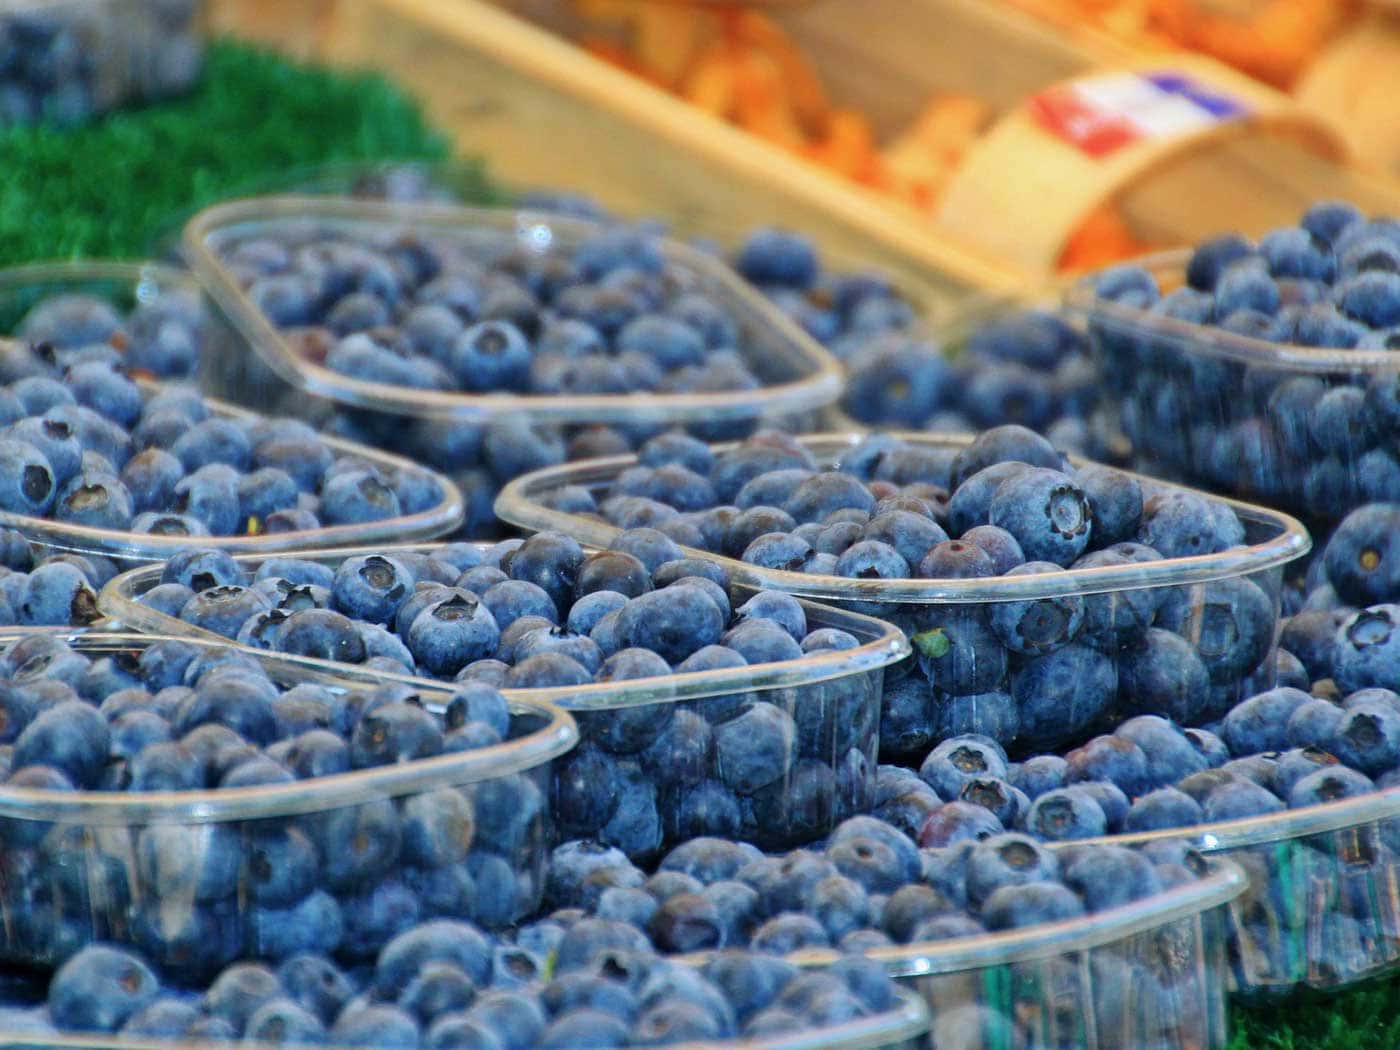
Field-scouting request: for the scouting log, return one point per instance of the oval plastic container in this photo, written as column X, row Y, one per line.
column 1209, row 581
column 832, row 697
column 1209, row 406
column 1322, row 908
column 127, row 285
column 796, row 374
column 71, row 60
column 79, row 866
column 1152, row 973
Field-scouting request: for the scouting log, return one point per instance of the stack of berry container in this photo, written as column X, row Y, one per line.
column 66, row 61
column 173, row 357
column 832, row 698
column 198, row 878
column 1293, row 426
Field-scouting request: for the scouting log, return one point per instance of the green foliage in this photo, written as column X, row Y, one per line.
column 111, row 188
column 1362, row 1018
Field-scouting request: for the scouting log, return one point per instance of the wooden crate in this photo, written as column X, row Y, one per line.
column 512, row 87
column 542, row 114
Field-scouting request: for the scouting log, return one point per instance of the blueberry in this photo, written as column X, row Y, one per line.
column 1362, row 649
column 1162, row 809
column 1062, row 692
column 99, row 989
column 956, row 822
column 1063, row 814
column 1007, row 860
column 755, row 749
column 1238, row 798
column 1036, row 626
column 1328, row 784
column 1367, row 738
column 30, row 485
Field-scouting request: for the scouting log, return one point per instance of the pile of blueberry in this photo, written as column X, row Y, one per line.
column 65, row 63
column 1029, row 367
column 1318, row 439
column 162, row 336
column 341, row 879
column 868, row 886
column 779, row 765
column 85, row 444
column 1038, row 672
column 449, row 984
column 1281, row 749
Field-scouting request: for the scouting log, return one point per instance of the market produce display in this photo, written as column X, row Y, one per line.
column 282, row 820
column 617, row 780
column 450, row 983
column 1261, row 368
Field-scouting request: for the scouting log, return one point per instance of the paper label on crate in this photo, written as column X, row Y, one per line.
column 1100, row 115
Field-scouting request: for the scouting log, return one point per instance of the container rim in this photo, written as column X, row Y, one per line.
column 1274, row 827
column 1169, row 269
column 519, row 504
column 908, row 1020
column 1221, row 884
column 881, row 644
column 558, row 734
column 818, row 387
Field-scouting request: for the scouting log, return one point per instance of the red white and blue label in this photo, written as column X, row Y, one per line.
column 1102, row 114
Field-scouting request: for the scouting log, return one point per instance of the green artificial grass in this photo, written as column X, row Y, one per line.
column 112, row 187
column 1366, row 1017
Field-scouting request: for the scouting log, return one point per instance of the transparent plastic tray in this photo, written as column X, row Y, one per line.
column 1195, row 401
column 1323, row 904
column 796, row 373
column 114, row 543
column 1149, row 974
column 71, row 859
column 125, row 284
column 836, row 694
column 898, row 1029
column 77, row 59
column 1273, row 539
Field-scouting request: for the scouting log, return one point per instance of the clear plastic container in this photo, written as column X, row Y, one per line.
column 1152, row 973
column 127, row 285
column 1322, row 908
column 1208, row 582
column 796, row 374
column 1212, row 407
column 66, row 61
column 80, row 866
column 832, row 697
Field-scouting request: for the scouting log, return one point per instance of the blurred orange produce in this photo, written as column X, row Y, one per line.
column 1273, row 40
column 737, row 64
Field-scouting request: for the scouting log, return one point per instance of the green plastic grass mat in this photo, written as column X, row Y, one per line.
column 111, row 187
column 1366, row 1017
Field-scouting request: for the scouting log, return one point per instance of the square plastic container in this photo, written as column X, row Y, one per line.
column 833, row 698
column 1323, row 904
column 796, row 374
column 129, row 285
column 1236, row 414
column 70, row 60
column 1210, row 584
column 79, row 866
